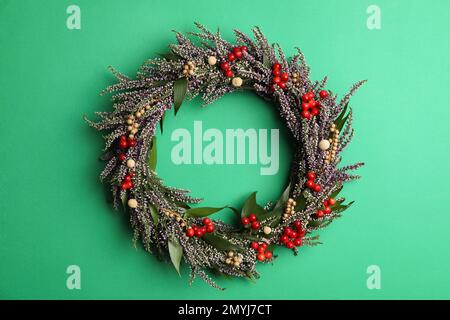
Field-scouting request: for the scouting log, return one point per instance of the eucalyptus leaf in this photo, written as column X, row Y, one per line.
column 161, row 122
column 301, row 203
column 336, row 192
column 153, row 155
column 281, row 203
column 107, row 155
column 342, row 118
column 154, row 214
column 251, row 207
column 202, row 211
column 179, row 92
column 176, row 253
column 220, row 243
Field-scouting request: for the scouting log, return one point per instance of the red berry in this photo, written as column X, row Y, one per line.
column 276, row 66
column 225, row 66
column 327, row 210
column 289, row 245
column 297, row 224
column 228, row 73
column 325, row 203
column 252, row 217
column 245, row 220
column 237, row 52
column 323, row 94
column 261, row 249
column 284, row 238
column 244, row 49
column 203, row 230
column 282, row 85
column 301, row 233
column 276, row 72
column 314, row 111
column 255, row 225
column 297, row 242
column 317, row 188
column 310, row 184
column 190, row 232
column 305, row 97
column 231, row 57
column 306, row 115
column 210, row 228
column 268, row 255
column 206, row 221
column 311, row 175
column 319, row 213
column 284, row 76
column 261, row 257
column 264, row 245
column 306, row 106
column 331, row 201
column 127, row 178
column 199, row 233
column 122, row 157
column 276, row 79
column 287, row 231
column 123, row 144
column 194, row 227
column 293, row 234
column 255, row 245
column 310, row 95
column 131, row 143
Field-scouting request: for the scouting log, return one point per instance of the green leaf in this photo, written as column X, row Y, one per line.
column 336, row 192
column 179, row 92
column 342, row 118
column 220, row 243
column 282, row 202
column 342, row 207
column 154, row 214
column 161, row 122
column 107, row 155
column 176, row 253
column 124, row 200
column 202, row 211
column 301, row 203
column 153, row 156
column 170, row 56
column 251, row 207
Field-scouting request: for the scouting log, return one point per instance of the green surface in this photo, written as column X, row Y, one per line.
column 53, row 211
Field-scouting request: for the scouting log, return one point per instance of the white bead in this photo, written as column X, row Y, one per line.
column 236, row 82
column 132, row 203
column 267, row 230
column 324, row 145
column 212, row 60
column 131, row 163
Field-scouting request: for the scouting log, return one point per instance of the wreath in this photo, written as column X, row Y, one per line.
column 161, row 216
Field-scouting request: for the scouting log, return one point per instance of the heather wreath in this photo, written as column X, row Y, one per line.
column 162, row 217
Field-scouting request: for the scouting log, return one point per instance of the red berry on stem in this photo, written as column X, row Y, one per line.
column 284, row 76
column 206, row 221
column 305, row 97
column 314, row 111
column 319, row 213
column 282, row 85
column 261, row 249
column 210, row 228
column 311, row 175
column 331, row 201
column 276, row 66
column 268, row 255
column 310, row 184
column 252, row 217
column 123, row 144
column 289, row 244
column 255, row 225
column 306, row 115
column 122, row 157
column 245, row 220
column 305, row 106
column 244, row 48
column 231, row 57
column 264, row 245
column 190, row 232
column 194, row 227
column 287, row 231
column 297, row 224
column 225, row 66
column 310, row 95
column 261, row 257
column 327, row 210
column 293, row 234
column 203, row 230
column 276, row 72
column 131, row 143
column 254, row 245
column 323, row 94
column 317, row 188
column 325, row 203
column 284, row 238
column 276, row 79
column 228, row 73
column 198, row 233
column 297, row 242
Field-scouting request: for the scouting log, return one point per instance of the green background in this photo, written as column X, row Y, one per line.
column 53, row 211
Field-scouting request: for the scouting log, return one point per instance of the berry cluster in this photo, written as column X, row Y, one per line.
column 236, row 53
column 233, row 259
column 279, row 78
column 260, row 248
column 327, row 208
column 311, row 107
column 251, row 221
column 290, row 208
column 292, row 238
column 208, row 226
column 127, row 182
column 310, row 182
